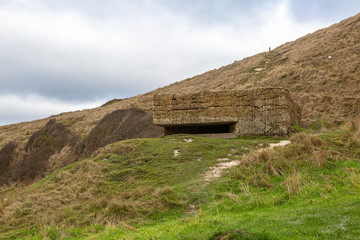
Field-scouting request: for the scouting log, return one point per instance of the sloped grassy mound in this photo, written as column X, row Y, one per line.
column 307, row 190
column 127, row 183
column 155, row 189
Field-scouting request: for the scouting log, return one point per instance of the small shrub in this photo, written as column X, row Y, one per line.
column 111, row 102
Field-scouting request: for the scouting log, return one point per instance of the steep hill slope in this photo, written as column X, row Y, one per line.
column 321, row 69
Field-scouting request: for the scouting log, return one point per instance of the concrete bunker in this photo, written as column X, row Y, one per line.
column 262, row 111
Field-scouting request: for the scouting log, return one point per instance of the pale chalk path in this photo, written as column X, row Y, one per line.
column 216, row 171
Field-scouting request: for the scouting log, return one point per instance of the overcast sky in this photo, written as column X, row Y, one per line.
column 58, row 56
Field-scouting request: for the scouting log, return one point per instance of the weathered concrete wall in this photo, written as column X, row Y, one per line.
column 265, row 111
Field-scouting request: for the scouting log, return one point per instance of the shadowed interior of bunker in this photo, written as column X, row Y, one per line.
column 201, row 128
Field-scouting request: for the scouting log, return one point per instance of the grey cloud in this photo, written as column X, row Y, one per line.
column 23, row 108
column 323, row 10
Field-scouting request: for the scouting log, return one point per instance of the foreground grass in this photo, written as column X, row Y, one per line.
column 336, row 219
column 138, row 189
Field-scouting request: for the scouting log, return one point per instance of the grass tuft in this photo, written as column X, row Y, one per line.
column 293, row 184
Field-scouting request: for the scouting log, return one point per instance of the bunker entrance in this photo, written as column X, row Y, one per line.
column 201, row 129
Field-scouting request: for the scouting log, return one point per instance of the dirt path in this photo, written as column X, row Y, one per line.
column 216, row 171
column 280, row 144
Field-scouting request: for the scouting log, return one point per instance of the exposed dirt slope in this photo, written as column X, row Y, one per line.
column 56, row 145
column 322, row 70
column 119, row 125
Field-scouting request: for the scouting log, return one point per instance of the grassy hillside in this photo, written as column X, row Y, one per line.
column 56, row 145
column 73, row 175
column 321, row 69
column 139, row 189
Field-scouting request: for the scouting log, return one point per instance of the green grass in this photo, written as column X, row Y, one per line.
column 138, row 189
column 330, row 220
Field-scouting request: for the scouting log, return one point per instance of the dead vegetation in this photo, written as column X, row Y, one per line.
column 55, row 145
column 82, row 195
column 51, row 139
column 6, row 158
column 119, row 125
column 351, row 135
column 259, row 166
column 353, row 126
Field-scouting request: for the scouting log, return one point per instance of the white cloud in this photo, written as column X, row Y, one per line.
column 34, row 106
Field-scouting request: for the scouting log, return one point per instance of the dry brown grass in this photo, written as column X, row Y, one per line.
column 353, row 126
column 293, row 184
column 55, row 145
column 127, row 148
column 119, row 125
column 82, row 195
column 310, row 144
column 43, row 144
column 270, row 159
column 6, row 158
column 351, row 134
column 259, row 166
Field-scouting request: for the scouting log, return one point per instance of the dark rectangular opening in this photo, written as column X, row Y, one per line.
column 201, row 129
